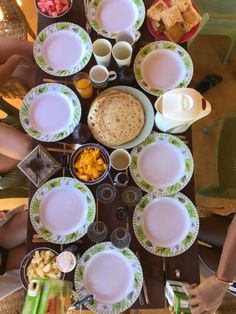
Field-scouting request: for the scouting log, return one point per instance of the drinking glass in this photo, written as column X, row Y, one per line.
column 106, row 193
column 97, row 231
column 120, row 238
column 83, row 85
column 81, row 134
column 131, row 195
column 121, row 213
column 121, row 179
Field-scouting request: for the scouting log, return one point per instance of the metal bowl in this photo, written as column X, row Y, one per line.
column 25, row 264
column 52, row 17
column 105, row 156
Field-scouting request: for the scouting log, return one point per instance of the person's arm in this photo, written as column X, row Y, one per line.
column 10, row 65
column 227, row 266
column 208, row 296
column 15, row 46
column 13, row 143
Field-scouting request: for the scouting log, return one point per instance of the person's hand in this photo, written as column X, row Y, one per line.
column 19, row 60
column 207, row 297
column 3, row 216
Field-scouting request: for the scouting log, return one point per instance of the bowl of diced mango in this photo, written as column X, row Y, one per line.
column 90, row 163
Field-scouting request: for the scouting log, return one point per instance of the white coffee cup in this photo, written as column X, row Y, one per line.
column 102, row 52
column 120, row 159
column 122, row 53
column 100, row 76
column 128, row 36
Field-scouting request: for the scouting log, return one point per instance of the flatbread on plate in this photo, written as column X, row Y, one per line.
column 116, row 118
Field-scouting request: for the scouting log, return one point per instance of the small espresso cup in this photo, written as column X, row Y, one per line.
column 128, row 36
column 102, row 52
column 120, row 159
column 100, row 76
column 122, row 53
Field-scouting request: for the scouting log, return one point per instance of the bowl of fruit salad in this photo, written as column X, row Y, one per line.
column 53, row 8
column 90, row 163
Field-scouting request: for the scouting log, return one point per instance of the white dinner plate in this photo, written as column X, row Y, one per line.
column 62, row 49
column 109, row 17
column 115, row 16
column 161, row 66
column 161, row 164
column 114, row 276
column 50, row 112
column 163, row 69
column 101, row 280
column 48, row 105
column 63, row 210
column 165, row 222
column 166, row 226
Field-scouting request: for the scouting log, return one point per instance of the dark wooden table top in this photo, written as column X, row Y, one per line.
column 186, row 263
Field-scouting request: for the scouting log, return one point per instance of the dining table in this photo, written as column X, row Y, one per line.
column 156, row 269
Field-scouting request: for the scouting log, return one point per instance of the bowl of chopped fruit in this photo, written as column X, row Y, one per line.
column 90, row 163
column 53, row 8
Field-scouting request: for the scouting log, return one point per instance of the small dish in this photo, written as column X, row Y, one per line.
column 70, row 2
column 103, row 154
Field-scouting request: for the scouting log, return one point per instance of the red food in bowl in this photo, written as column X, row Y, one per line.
column 53, row 8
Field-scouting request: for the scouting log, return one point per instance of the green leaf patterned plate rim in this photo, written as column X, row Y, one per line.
column 29, row 100
column 180, row 248
column 40, row 195
column 181, row 52
column 38, row 48
column 122, row 305
column 92, row 11
column 184, row 151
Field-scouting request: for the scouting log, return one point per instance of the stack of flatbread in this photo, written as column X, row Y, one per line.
column 174, row 21
column 115, row 118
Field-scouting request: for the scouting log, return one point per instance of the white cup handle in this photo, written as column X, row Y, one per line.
column 137, row 35
column 112, row 75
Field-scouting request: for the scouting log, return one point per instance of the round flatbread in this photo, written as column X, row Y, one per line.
column 116, row 118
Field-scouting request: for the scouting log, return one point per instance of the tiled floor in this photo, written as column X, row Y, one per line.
column 207, row 53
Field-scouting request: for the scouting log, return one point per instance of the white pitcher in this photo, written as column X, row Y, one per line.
column 179, row 108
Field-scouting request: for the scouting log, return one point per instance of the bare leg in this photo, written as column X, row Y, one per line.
column 15, row 257
column 13, row 143
column 14, row 232
column 13, row 46
column 7, row 164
